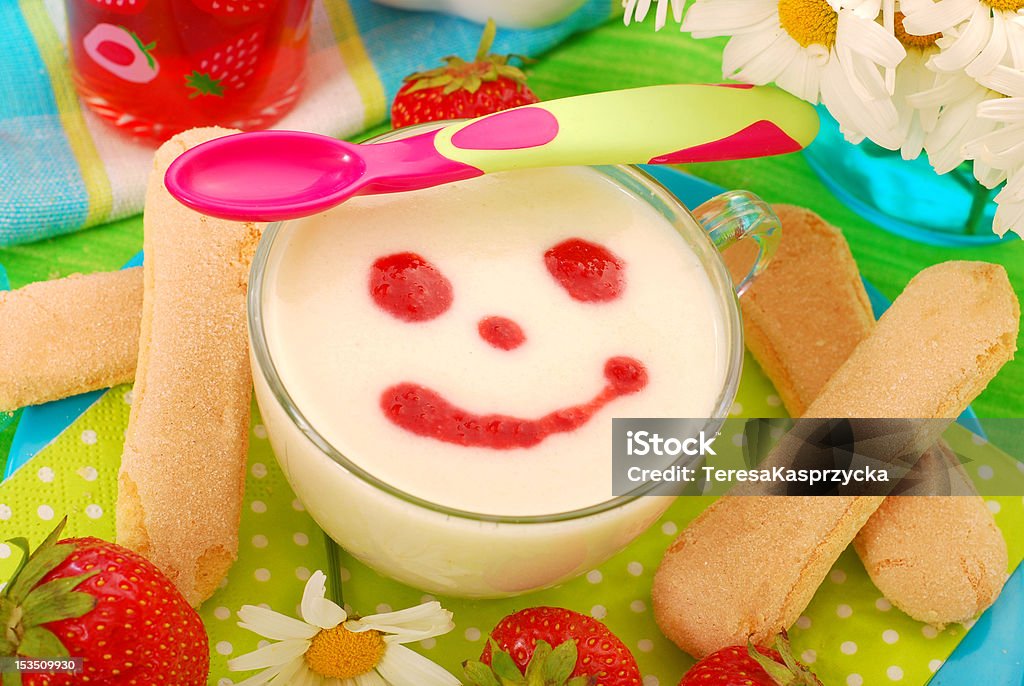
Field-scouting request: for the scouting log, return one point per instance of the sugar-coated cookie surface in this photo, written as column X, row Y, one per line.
column 944, row 338
column 804, row 315
column 68, row 336
column 182, row 473
column 939, row 559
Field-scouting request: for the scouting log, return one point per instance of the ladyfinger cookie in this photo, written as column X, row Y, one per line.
column 747, row 567
column 939, row 559
column 804, row 315
column 68, row 336
column 183, row 469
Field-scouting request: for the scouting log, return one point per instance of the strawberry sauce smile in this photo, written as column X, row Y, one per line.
column 426, row 412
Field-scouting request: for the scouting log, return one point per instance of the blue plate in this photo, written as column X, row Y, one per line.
column 991, row 654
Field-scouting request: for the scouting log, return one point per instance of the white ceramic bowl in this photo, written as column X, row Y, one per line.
column 511, row 13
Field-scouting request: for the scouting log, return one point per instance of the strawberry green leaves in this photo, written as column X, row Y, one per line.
column 791, row 673
column 25, row 605
column 548, row 667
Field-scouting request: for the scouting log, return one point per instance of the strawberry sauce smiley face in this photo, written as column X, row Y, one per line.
column 411, row 289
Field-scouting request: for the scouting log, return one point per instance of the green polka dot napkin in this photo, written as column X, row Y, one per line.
column 850, row 634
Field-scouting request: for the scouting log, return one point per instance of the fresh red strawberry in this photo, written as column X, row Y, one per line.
column 87, row 598
column 462, row 89
column 121, row 6
column 750, row 666
column 586, row 652
column 228, row 67
column 249, row 9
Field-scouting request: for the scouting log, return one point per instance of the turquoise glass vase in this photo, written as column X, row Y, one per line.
column 904, row 197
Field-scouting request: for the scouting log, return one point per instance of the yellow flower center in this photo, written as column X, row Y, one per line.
column 1005, row 5
column 342, row 654
column 911, row 41
column 809, row 22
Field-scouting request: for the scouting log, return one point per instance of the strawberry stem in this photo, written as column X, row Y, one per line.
column 486, row 40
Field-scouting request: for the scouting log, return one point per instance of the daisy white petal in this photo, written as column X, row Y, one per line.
column 296, row 673
column 275, row 625
column 677, row 10
column 1015, row 38
column 370, row 679
column 861, row 47
column 401, row 666
column 423, row 621
column 924, row 18
column 888, row 22
column 863, row 77
column 802, row 78
column 262, row 678
column 710, row 18
column 958, row 53
column 1009, row 213
column 856, row 116
column 949, row 88
column 316, row 609
column 269, row 656
column 992, row 53
column 870, row 39
column 1014, row 188
column 628, row 6
column 642, row 7
column 987, row 175
column 1005, row 109
column 743, row 49
column 868, row 9
column 958, row 125
column 1003, row 148
column 771, row 62
column 1005, row 80
column 662, row 16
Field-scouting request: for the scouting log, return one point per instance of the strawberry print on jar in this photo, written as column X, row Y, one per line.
column 121, row 52
column 154, row 69
column 227, row 68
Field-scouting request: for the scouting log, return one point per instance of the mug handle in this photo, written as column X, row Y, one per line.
column 734, row 216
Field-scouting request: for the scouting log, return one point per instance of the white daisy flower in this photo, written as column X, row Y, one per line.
column 812, row 50
column 326, row 648
column 638, row 9
column 983, row 33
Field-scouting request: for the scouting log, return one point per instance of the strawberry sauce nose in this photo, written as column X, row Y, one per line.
column 500, row 332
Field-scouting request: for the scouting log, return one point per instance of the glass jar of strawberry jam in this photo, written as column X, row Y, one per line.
column 154, row 68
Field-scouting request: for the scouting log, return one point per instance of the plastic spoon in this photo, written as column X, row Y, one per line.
column 275, row 175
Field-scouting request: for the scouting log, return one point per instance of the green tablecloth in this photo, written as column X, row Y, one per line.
column 615, row 56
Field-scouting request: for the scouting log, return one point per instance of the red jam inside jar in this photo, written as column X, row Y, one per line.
column 154, row 68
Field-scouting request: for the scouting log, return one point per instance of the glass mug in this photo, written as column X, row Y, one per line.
column 440, row 549
column 154, row 68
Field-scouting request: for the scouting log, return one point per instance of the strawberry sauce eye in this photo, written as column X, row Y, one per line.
column 409, row 288
column 587, row 271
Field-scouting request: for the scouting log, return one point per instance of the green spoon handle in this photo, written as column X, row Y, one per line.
column 654, row 125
